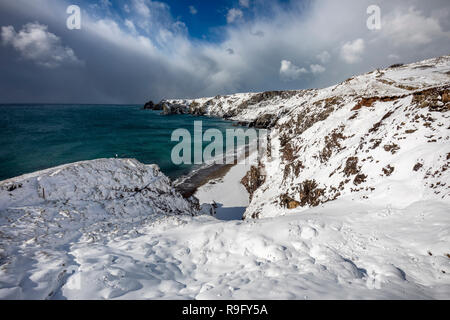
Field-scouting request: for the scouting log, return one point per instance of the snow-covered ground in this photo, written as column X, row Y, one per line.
column 44, row 213
column 343, row 249
column 352, row 202
column 227, row 193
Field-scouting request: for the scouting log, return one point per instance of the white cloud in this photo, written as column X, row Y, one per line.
column 234, row 14
column 192, row 10
column 142, row 8
column 244, row 3
column 110, row 31
column 317, row 68
column 35, row 43
column 351, row 51
column 130, row 25
column 324, row 56
column 410, row 27
column 290, row 71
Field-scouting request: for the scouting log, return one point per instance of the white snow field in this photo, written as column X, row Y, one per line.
column 351, row 201
column 343, row 250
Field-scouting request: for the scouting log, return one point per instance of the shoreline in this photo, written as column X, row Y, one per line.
column 199, row 177
column 188, row 184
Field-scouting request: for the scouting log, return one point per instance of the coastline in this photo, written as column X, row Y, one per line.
column 190, row 183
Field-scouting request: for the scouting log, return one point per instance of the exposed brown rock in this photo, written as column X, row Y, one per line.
column 388, row 170
column 351, row 166
column 368, row 102
column 310, row 194
column 331, row 144
column 417, row 166
column 288, row 202
column 392, row 148
column 288, row 152
column 253, row 180
column 294, row 167
column 435, row 99
column 360, row 178
column 446, row 97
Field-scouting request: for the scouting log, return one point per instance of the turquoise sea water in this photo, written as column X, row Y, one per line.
column 36, row 137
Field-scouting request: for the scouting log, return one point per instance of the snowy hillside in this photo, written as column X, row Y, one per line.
column 351, row 201
column 382, row 136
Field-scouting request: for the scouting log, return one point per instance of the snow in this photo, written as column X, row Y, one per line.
column 420, row 134
column 44, row 213
column 117, row 229
column 228, row 194
column 342, row 250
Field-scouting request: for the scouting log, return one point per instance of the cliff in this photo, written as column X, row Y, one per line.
column 379, row 137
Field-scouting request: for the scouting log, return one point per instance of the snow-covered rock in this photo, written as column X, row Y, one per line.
column 380, row 137
column 43, row 213
column 387, row 144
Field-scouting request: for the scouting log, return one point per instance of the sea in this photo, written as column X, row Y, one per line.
column 39, row 136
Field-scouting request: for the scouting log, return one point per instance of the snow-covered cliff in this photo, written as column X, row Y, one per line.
column 382, row 137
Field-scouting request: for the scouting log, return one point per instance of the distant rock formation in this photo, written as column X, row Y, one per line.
column 150, row 105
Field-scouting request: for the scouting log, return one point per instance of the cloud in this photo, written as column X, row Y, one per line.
column 351, row 51
column 159, row 58
column 192, row 10
column 141, row 8
column 244, row 3
column 289, row 71
column 35, row 43
column 317, row 68
column 324, row 56
column 393, row 56
column 234, row 14
column 130, row 25
column 257, row 33
column 411, row 27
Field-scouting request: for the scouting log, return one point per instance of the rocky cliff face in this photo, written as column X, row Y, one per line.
column 382, row 136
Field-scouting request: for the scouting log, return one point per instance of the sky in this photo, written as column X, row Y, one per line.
column 129, row 52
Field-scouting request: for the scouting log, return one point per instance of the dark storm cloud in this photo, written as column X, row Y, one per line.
column 144, row 53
